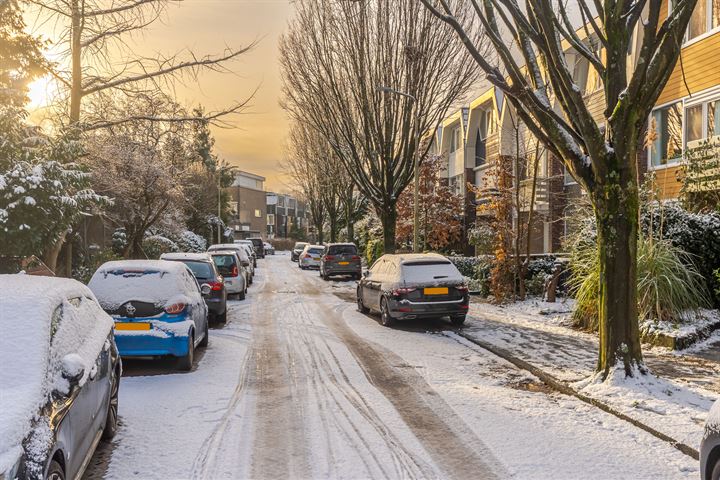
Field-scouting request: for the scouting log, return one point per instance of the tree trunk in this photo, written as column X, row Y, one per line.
column 320, row 233
column 50, row 257
column 76, row 55
column 333, row 229
column 388, row 219
column 350, row 233
column 616, row 211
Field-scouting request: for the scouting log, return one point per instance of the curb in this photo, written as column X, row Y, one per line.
column 563, row 388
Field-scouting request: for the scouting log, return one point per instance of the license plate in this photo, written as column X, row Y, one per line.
column 436, row 291
column 316, row 258
column 132, row 326
column 343, row 263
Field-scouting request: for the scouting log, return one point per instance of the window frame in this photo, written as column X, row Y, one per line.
column 648, row 150
column 710, row 30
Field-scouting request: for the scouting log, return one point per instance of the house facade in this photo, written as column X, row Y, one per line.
column 247, row 205
column 284, row 213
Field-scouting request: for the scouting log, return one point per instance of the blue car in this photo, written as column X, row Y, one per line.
column 157, row 306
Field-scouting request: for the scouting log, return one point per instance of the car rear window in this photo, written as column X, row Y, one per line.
column 200, row 269
column 257, row 242
column 224, row 263
column 315, row 250
column 342, row 250
column 299, row 246
column 429, row 272
column 119, row 286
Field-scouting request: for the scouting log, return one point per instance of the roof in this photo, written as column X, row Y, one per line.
column 415, row 257
column 159, row 265
column 241, row 173
column 198, row 257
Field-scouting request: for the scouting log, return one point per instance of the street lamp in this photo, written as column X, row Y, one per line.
column 416, row 166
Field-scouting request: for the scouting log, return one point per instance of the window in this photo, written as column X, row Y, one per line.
column 693, row 123
column 700, row 122
column 705, row 17
column 666, row 147
column 580, row 72
column 271, row 219
column 455, row 139
column 258, row 213
column 484, row 130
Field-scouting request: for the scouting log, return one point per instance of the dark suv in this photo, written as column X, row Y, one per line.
column 340, row 259
column 259, row 245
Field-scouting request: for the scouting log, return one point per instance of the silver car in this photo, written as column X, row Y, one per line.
column 242, row 254
column 710, row 446
column 310, row 256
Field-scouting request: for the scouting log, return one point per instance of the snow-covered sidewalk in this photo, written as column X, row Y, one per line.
column 674, row 400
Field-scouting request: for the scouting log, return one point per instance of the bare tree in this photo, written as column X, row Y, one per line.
column 334, row 58
column 93, row 37
column 603, row 161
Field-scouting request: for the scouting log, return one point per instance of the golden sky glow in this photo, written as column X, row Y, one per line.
column 207, row 27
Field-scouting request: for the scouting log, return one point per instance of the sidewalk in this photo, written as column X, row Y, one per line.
column 675, row 400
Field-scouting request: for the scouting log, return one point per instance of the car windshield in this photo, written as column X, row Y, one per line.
column 118, row 286
column 257, row 242
column 342, row 250
column 224, row 263
column 430, row 272
column 200, row 269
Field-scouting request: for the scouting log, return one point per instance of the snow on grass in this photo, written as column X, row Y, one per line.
column 690, row 323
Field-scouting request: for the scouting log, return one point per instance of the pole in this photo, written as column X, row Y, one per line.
column 219, row 209
column 416, row 200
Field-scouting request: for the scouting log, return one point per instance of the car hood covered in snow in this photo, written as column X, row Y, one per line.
column 27, row 304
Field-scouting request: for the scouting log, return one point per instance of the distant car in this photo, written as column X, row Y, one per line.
column 269, row 249
column 710, row 446
column 205, row 271
column 232, row 270
column 242, row 253
column 251, row 250
column 157, row 306
column 340, row 259
column 259, row 245
column 297, row 250
column 414, row 286
column 310, row 256
column 59, row 379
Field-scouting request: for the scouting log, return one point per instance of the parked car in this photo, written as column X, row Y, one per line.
column 203, row 268
column 310, row 256
column 242, row 253
column 297, row 250
column 59, row 380
column 157, row 306
column 251, row 250
column 340, row 259
column 710, row 446
column 411, row 286
column 269, row 249
column 233, row 271
column 259, row 245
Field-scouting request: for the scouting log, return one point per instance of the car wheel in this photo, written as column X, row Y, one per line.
column 55, row 472
column 361, row 306
column 206, row 339
column 715, row 475
column 111, row 418
column 385, row 316
column 185, row 363
column 457, row 320
column 240, row 296
column 222, row 318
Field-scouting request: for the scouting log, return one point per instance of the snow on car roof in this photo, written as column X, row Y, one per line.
column 225, row 246
column 26, row 311
column 150, row 281
column 198, row 257
column 416, row 257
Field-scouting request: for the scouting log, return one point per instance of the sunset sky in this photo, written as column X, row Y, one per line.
column 207, row 27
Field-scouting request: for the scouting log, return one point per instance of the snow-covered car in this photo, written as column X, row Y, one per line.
column 710, row 446
column 408, row 286
column 269, row 249
column 59, row 378
column 297, row 250
column 340, row 259
column 205, row 271
column 231, row 268
column 243, row 252
column 310, row 256
column 251, row 250
column 157, row 306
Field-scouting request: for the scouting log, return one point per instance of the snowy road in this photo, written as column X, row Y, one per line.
column 301, row 385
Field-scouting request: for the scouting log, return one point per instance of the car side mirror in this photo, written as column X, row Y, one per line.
column 366, row 273
column 245, row 263
column 72, row 370
column 205, row 289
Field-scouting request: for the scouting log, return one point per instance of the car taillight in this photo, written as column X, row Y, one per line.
column 216, row 286
column 329, row 258
column 234, row 271
column 355, row 257
column 175, row 308
column 402, row 291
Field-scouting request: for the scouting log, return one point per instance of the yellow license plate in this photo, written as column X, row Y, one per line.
column 436, row 291
column 343, row 263
column 132, row 326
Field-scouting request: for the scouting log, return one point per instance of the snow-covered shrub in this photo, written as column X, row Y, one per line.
column 119, row 240
column 482, row 236
column 155, row 245
column 694, row 233
column 188, row 241
column 466, row 265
